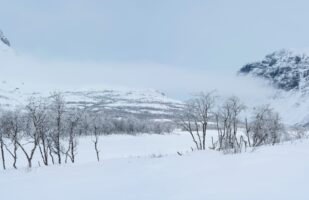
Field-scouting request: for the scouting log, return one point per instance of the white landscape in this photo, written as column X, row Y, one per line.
column 154, row 100
column 148, row 167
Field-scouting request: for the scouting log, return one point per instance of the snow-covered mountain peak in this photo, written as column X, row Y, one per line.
column 288, row 72
column 4, row 41
column 285, row 69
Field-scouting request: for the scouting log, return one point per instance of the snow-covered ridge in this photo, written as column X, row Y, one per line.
column 140, row 103
column 144, row 103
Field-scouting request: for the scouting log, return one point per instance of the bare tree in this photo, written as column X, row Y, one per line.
column 38, row 113
column 73, row 118
column 97, row 129
column 248, row 132
column 186, row 121
column 2, row 132
column 31, row 139
column 96, row 142
column 32, row 134
column 50, row 148
column 266, row 127
column 204, row 104
column 227, row 120
column 224, row 126
column 58, row 109
column 12, row 123
column 195, row 116
column 236, row 108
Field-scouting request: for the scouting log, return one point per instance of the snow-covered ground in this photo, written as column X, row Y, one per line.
column 147, row 167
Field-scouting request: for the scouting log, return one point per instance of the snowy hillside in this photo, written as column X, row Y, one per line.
column 146, row 103
column 288, row 72
column 140, row 103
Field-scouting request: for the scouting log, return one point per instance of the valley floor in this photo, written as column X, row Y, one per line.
column 147, row 167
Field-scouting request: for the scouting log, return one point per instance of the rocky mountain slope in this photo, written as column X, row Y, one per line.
column 288, row 72
column 5, row 41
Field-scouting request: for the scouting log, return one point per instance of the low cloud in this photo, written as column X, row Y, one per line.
column 42, row 75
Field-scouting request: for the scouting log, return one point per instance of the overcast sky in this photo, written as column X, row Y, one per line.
column 201, row 36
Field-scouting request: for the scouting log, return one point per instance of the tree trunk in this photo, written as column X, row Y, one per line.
column 58, row 150
column 2, row 154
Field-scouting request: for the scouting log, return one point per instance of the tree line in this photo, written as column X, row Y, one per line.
column 50, row 127
column 235, row 130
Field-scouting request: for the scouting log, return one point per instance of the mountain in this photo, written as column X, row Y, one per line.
column 285, row 69
column 146, row 104
column 288, row 72
column 149, row 104
column 4, row 40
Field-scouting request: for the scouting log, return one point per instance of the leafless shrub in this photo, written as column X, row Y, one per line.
column 266, row 127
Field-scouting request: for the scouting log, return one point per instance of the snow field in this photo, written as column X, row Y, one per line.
column 128, row 171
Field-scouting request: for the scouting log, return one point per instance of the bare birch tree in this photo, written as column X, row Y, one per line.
column 196, row 116
column 72, row 120
column 96, row 126
column 2, row 133
column 266, row 127
column 227, row 120
column 32, row 135
column 12, row 123
column 38, row 113
column 58, row 109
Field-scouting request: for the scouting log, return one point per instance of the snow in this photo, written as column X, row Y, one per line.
column 147, row 167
